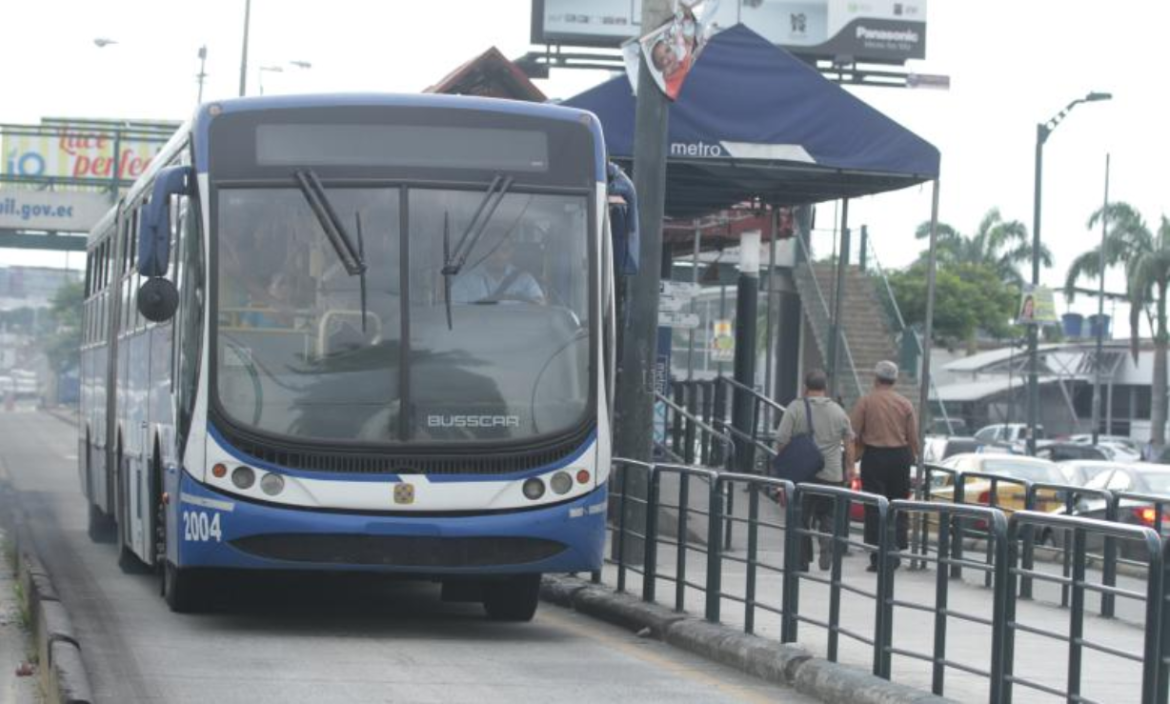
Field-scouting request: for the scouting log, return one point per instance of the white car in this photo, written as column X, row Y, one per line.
column 1119, row 452
column 1130, row 445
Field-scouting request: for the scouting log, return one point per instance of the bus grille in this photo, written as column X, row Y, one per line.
column 399, row 550
column 481, row 463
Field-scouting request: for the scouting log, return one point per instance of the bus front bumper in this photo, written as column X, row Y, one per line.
column 212, row 529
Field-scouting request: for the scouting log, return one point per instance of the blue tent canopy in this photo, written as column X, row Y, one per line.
column 753, row 121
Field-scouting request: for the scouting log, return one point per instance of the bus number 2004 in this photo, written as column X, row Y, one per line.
column 201, row 527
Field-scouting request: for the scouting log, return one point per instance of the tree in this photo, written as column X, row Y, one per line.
column 63, row 346
column 998, row 244
column 1146, row 259
column 968, row 298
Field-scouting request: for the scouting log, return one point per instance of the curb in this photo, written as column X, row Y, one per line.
column 779, row 663
column 60, row 666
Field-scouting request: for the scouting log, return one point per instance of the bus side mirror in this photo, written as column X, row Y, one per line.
column 157, row 299
column 154, row 239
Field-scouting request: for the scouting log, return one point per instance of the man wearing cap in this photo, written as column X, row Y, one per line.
column 887, row 442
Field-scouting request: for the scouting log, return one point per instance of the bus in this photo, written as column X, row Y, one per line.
column 358, row 333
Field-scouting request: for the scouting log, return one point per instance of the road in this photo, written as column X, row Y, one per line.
column 297, row 639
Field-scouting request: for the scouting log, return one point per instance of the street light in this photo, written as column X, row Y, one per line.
column 1043, row 131
column 103, row 42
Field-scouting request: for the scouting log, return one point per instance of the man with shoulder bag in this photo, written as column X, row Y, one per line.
column 815, row 421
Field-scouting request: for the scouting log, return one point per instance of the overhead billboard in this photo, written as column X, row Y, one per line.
column 76, row 151
column 875, row 31
column 52, row 211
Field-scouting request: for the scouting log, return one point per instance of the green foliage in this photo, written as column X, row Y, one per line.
column 63, row 345
column 998, row 244
column 1145, row 256
column 968, row 298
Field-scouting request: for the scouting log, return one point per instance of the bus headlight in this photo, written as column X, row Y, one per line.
column 533, row 489
column 243, row 477
column 272, row 484
column 561, row 482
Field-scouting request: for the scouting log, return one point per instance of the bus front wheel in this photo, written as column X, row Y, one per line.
column 512, row 599
column 182, row 589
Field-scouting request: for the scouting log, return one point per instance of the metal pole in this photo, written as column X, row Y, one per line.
column 1033, row 398
column 694, row 304
column 835, row 326
column 244, row 56
column 747, row 303
column 927, row 342
column 769, row 315
column 1100, row 310
column 634, row 406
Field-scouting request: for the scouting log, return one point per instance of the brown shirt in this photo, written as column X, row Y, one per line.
column 884, row 418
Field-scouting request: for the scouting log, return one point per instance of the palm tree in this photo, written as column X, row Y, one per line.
column 998, row 244
column 1146, row 259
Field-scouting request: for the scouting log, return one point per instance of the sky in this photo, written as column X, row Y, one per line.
column 1012, row 64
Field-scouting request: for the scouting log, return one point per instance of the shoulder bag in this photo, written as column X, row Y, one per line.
column 801, row 459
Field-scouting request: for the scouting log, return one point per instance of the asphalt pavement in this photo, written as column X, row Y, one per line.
column 291, row 638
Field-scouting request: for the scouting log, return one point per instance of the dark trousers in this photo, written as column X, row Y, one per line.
column 816, row 514
column 886, row 471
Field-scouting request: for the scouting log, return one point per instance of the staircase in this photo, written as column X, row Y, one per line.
column 867, row 334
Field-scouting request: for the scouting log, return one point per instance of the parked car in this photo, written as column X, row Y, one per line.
column 1063, row 451
column 1009, row 497
column 1081, row 472
column 1007, row 432
column 948, row 427
column 1119, row 452
column 938, row 448
column 1151, row 479
column 1129, row 443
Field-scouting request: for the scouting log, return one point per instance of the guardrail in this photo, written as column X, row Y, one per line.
column 948, row 518
column 1149, row 658
column 698, row 502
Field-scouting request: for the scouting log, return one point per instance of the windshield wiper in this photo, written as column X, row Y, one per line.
column 453, row 262
column 351, row 257
column 495, row 193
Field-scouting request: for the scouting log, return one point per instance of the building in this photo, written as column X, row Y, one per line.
column 991, row 387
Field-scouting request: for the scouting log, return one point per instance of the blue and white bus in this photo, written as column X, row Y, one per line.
column 360, row 332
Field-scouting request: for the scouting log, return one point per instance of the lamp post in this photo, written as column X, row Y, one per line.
column 1043, row 131
column 103, row 42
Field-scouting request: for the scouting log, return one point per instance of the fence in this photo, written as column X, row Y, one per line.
column 690, row 511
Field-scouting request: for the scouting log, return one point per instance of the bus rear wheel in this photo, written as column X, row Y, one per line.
column 512, row 599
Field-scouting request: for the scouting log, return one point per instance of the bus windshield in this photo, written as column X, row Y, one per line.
column 301, row 350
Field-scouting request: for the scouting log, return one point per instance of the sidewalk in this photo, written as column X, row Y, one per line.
column 1106, row 678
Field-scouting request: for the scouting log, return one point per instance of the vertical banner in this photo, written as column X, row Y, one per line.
column 661, row 383
column 722, row 341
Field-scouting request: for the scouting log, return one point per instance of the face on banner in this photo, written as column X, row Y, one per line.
column 671, row 50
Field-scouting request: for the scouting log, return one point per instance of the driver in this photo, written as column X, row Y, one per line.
column 496, row 279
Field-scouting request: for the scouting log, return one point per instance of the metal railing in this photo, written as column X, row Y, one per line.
column 696, row 505
column 950, row 518
column 821, row 311
column 1075, row 636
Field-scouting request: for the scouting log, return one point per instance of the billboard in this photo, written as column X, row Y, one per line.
column 52, row 211
column 76, row 150
column 877, row 31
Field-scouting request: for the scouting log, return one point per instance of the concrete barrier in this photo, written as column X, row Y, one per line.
column 60, row 666
column 779, row 663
